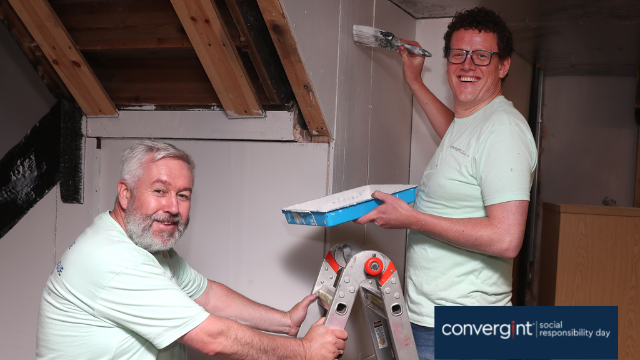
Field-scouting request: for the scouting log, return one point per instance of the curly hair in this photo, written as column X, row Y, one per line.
column 483, row 20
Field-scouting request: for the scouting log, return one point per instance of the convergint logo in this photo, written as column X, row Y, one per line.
column 526, row 332
column 504, row 330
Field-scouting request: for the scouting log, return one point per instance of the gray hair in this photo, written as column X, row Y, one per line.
column 135, row 157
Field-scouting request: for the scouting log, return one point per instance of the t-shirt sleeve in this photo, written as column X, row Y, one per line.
column 505, row 165
column 142, row 299
column 191, row 281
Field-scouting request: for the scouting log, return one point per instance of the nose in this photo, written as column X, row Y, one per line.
column 171, row 205
column 468, row 63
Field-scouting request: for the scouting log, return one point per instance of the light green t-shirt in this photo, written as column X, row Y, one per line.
column 109, row 299
column 484, row 159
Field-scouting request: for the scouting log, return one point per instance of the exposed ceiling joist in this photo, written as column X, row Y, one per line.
column 291, row 57
column 219, row 57
column 56, row 44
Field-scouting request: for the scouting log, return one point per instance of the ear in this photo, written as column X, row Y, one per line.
column 124, row 194
column 503, row 70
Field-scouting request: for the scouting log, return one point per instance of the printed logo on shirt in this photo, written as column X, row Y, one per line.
column 58, row 268
column 458, row 150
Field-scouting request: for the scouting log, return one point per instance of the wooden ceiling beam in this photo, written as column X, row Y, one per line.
column 56, row 44
column 299, row 78
column 219, row 57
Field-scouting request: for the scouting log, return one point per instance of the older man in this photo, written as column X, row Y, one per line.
column 469, row 217
column 121, row 292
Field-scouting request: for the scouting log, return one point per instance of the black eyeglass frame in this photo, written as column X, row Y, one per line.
column 469, row 52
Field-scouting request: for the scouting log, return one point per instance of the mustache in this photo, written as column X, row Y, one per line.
column 167, row 218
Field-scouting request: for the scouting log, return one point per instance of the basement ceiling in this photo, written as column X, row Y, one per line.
column 111, row 55
column 567, row 37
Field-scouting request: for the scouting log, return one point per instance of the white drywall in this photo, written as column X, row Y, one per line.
column 315, row 26
column 24, row 98
column 424, row 141
column 238, row 234
column 589, row 140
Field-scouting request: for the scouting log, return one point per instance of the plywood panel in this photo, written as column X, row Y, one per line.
column 548, row 258
column 598, row 263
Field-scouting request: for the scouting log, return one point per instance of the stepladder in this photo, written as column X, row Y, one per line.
column 349, row 272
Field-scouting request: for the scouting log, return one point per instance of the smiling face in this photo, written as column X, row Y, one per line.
column 475, row 86
column 157, row 213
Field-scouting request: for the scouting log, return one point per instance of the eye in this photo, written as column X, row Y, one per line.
column 159, row 191
column 184, row 196
column 482, row 55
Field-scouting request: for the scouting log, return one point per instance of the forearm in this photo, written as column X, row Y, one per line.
column 219, row 300
column 474, row 234
column 440, row 116
column 227, row 339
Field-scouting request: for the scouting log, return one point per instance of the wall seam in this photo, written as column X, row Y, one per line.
column 370, row 113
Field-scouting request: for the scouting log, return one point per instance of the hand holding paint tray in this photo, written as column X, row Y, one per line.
column 344, row 206
column 368, row 36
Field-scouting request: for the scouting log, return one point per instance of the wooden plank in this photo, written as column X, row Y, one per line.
column 636, row 197
column 261, row 49
column 32, row 51
column 276, row 126
column 291, row 57
column 126, row 24
column 57, row 45
column 599, row 265
column 593, row 210
column 219, row 57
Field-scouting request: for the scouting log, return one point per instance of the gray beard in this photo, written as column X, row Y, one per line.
column 138, row 227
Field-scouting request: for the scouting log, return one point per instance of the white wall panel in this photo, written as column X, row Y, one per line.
column 390, row 139
column 237, row 234
column 424, row 141
column 26, row 260
column 590, row 140
column 315, row 26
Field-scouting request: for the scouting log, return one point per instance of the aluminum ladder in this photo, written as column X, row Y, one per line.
column 347, row 272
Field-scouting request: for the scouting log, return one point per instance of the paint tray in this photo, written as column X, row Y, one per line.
column 344, row 206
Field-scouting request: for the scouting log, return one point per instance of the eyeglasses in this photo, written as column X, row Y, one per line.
column 479, row 57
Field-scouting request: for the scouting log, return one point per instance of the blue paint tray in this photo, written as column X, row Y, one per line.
column 344, row 206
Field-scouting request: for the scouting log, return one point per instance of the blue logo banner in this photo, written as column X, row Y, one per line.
column 526, row 332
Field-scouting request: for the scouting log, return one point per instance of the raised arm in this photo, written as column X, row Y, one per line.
column 500, row 233
column 440, row 116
